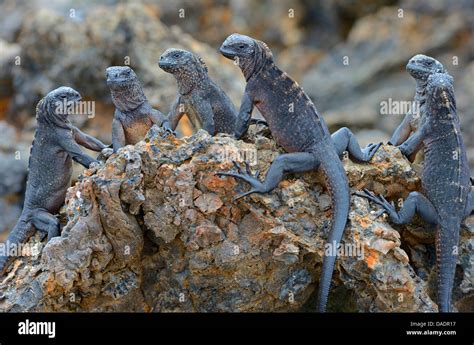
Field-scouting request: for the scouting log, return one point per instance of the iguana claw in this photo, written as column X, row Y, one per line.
column 257, row 186
column 371, row 149
column 379, row 200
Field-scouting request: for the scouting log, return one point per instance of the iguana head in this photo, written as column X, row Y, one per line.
column 187, row 68
column 127, row 93
column 421, row 67
column 55, row 107
column 250, row 54
column 440, row 95
column 120, row 76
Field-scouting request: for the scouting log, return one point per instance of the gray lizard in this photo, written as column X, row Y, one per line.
column 199, row 97
column 133, row 116
column 55, row 145
column 420, row 68
column 296, row 125
column 447, row 195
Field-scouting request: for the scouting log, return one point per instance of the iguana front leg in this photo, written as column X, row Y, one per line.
column 285, row 163
column 402, row 132
column 176, row 113
column 416, row 203
column 244, row 117
column 87, row 141
column 118, row 135
column 158, row 119
column 71, row 147
column 206, row 114
column 413, row 144
column 345, row 140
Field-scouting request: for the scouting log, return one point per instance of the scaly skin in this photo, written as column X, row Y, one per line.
column 55, row 145
column 297, row 127
column 420, row 68
column 133, row 116
column 199, row 97
column 447, row 196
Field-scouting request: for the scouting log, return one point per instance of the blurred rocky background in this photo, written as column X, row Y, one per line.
column 348, row 55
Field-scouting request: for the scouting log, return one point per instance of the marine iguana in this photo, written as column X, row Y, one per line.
column 420, row 68
column 296, row 125
column 447, row 194
column 133, row 116
column 205, row 103
column 56, row 142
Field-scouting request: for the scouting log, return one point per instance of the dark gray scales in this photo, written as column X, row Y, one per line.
column 296, row 125
column 447, row 196
column 133, row 115
column 199, row 97
column 56, row 143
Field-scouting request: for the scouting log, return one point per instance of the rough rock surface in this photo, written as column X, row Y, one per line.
column 153, row 229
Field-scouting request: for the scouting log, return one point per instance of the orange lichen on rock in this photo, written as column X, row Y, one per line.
column 371, row 257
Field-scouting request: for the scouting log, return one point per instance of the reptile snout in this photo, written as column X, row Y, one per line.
column 164, row 64
column 226, row 51
column 76, row 96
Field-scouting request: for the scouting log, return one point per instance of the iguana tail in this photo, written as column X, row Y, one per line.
column 447, row 241
column 22, row 231
column 338, row 187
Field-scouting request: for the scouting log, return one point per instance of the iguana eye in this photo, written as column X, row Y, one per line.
column 176, row 55
column 242, row 46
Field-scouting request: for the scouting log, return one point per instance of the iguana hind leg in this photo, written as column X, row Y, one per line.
column 284, row 163
column 22, row 231
column 45, row 222
column 345, row 140
column 415, row 203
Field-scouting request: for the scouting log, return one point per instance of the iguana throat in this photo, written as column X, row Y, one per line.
column 189, row 78
column 128, row 97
